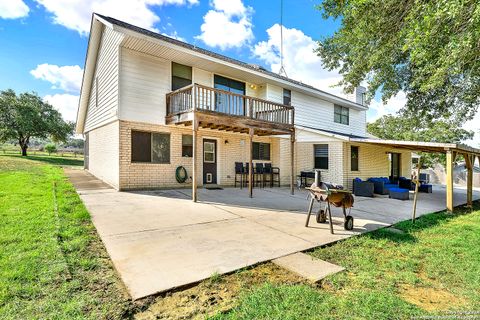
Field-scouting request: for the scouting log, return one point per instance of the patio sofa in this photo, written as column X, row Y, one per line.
column 362, row 188
column 405, row 183
column 382, row 185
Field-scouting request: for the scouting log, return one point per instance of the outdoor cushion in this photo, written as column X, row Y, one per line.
column 399, row 193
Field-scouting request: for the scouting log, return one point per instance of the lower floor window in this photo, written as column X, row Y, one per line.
column 150, row 147
column 261, row 151
column 320, row 154
column 187, row 145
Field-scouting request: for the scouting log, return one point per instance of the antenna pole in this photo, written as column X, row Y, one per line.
column 282, row 68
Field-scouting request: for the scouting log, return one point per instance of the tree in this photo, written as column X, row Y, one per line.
column 50, row 148
column 25, row 116
column 404, row 126
column 428, row 49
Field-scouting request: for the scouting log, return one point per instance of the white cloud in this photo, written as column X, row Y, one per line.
column 299, row 59
column 13, row 9
column 68, row 78
column 228, row 25
column 65, row 103
column 76, row 14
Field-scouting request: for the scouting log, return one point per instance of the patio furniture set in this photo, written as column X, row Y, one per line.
column 384, row 186
column 263, row 174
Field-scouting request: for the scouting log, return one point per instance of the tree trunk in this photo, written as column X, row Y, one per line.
column 24, row 150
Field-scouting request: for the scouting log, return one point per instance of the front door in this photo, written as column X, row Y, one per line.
column 394, row 167
column 209, row 161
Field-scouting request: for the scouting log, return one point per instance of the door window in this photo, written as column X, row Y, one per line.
column 209, row 152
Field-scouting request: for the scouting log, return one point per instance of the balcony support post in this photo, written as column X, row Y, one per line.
column 194, row 159
column 250, row 163
column 292, row 162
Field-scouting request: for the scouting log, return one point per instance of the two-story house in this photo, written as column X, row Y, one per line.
column 150, row 103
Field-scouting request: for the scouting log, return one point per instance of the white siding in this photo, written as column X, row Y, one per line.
column 202, row 77
column 274, row 93
column 144, row 82
column 104, row 153
column 103, row 102
column 316, row 113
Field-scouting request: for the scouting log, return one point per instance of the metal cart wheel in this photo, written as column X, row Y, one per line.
column 321, row 216
column 348, row 224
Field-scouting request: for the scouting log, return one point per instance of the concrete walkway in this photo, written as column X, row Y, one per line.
column 159, row 240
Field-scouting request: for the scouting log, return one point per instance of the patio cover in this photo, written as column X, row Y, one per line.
column 450, row 149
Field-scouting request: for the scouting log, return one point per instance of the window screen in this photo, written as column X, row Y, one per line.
column 160, row 147
column 320, row 152
column 353, row 158
column 141, row 146
column 261, row 151
column 341, row 115
column 187, row 145
column 150, row 147
column 181, row 76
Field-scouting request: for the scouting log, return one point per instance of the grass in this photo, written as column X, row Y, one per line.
column 432, row 268
column 52, row 263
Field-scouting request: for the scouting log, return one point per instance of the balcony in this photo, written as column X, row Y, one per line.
column 222, row 110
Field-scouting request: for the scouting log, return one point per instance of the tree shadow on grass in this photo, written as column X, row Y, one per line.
column 59, row 161
column 404, row 231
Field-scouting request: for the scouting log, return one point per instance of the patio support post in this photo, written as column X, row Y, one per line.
column 469, row 163
column 449, row 168
column 250, row 163
column 292, row 162
column 194, row 160
column 415, row 195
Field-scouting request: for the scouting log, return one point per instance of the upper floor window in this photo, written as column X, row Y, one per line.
column 181, row 76
column 341, row 114
column 287, row 97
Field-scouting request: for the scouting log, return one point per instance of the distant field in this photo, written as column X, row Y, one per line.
column 14, row 150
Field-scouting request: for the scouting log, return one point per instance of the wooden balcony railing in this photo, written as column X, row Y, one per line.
column 202, row 98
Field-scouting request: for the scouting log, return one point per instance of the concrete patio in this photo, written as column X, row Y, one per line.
column 159, row 240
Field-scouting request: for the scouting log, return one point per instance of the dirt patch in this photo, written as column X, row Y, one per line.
column 217, row 294
column 431, row 299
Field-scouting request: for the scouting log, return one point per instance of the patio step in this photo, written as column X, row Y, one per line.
column 307, row 266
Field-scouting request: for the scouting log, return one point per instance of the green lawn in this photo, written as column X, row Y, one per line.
column 431, row 268
column 52, row 263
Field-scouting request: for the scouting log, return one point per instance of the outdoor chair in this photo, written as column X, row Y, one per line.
column 274, row 174
column 259, row 174
column 239, row 173
column 363, row 188
column 381, row 185
column 405, row 183
column 246, row 174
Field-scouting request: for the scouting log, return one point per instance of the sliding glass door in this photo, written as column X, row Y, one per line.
column 226, row 103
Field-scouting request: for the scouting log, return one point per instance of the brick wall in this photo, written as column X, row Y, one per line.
column 305, row 160
column 152, row 175
column 373, row 162
column 104, row 153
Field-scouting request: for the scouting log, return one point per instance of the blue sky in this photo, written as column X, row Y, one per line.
column 44, row 41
